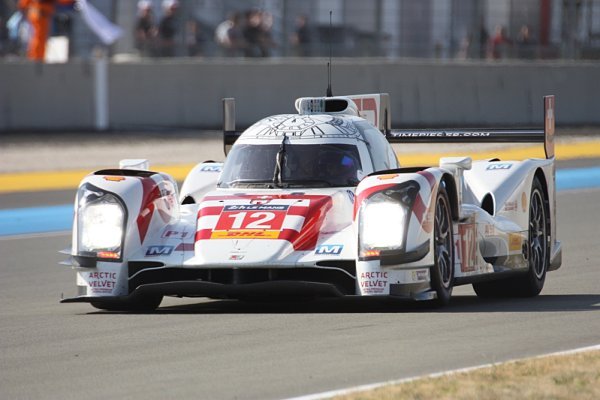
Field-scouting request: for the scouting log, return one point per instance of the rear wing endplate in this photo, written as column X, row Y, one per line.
column 545, row 135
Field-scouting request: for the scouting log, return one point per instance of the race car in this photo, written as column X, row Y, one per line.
column 316, row 204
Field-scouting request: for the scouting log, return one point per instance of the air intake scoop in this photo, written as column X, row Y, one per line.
column 326, row 105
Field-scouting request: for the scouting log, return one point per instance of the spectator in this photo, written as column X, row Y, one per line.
column 301, row 39
column 39, row 14
column 229, row 35
column 484, row 38
column 500, row 43
column 266, row 42
column 253, row 34
column 167, row 29
column 525, row 44
column 194, row 38
column 145, row 29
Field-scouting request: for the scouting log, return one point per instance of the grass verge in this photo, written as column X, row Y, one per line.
column 573, row 376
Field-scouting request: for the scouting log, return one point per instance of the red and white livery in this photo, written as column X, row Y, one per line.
column 317, row 204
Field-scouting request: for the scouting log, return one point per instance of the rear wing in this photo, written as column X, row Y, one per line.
column 543, row 135
column 375, row 109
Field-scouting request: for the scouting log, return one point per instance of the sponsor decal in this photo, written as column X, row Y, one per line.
column 171, row 234
column 511, row 206
column 114, row 178
column 245, row 234
column 261, row 200
column 211, row 168
column 154, row 251
column 256, row 207
column 373, row 282
column 467, row 246
column 100, row 282
column 367, row 108
column 524, row 202
column 236, row 257
column 386, row 177
column 515, row 242
column 497, row 166
column 420, row 275
column 421, row 134
column 329, row 249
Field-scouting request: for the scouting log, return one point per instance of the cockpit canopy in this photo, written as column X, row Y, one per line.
column 291, row 165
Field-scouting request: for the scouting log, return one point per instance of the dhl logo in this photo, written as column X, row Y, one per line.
column 114, row 178
column 515, row 242
column 245, row 234
column 387, row 177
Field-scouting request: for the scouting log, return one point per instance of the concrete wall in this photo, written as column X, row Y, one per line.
column 46, row 96
column 187, row 93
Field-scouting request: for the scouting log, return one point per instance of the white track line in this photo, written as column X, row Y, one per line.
column 372, row 386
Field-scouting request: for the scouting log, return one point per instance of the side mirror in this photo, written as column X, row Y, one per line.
column 360, row 175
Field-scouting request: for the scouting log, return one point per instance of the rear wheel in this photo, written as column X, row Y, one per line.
column 538, row 245
column 538, row 254
column 442, row 273
column 139, row 304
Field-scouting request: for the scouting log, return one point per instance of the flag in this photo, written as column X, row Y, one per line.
column 98, row 23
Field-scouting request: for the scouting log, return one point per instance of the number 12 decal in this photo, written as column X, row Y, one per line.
column 261, row 218
column 271, row 220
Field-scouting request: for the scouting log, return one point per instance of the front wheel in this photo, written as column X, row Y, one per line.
column 442, row 273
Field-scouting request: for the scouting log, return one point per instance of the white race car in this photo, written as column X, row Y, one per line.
column 316, row 204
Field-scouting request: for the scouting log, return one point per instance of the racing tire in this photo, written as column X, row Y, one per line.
column 442, row 272
column 531, row 283
column 136, row 304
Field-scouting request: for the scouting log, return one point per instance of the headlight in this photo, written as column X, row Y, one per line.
column 382, row 224
column 384, row 219
column 101, row 221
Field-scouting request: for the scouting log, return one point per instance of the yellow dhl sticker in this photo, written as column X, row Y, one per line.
column 245, row 234
column 515, row 242
column 114, row 178
column 387, row 177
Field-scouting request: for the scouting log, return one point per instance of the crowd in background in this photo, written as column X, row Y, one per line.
column 499, row 45
column 243, row 34
column 171, row 28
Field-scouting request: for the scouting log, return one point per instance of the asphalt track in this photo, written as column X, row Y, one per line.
column 225, row 349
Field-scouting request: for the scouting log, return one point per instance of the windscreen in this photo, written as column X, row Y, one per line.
column 291, row 165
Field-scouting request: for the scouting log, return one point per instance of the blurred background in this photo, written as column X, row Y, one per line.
column 122, row 64
column 437, row 29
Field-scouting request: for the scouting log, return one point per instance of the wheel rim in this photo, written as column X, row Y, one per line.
column 537, row 235
column 443, row 241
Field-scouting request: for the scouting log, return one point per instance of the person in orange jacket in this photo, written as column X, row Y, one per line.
column 39, row 14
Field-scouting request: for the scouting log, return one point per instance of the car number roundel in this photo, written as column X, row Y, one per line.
column 250, row 221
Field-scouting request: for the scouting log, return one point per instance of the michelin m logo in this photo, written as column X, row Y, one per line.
column 493, row 167
column 329, row 249
column 211, row 168
column 154, row 251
